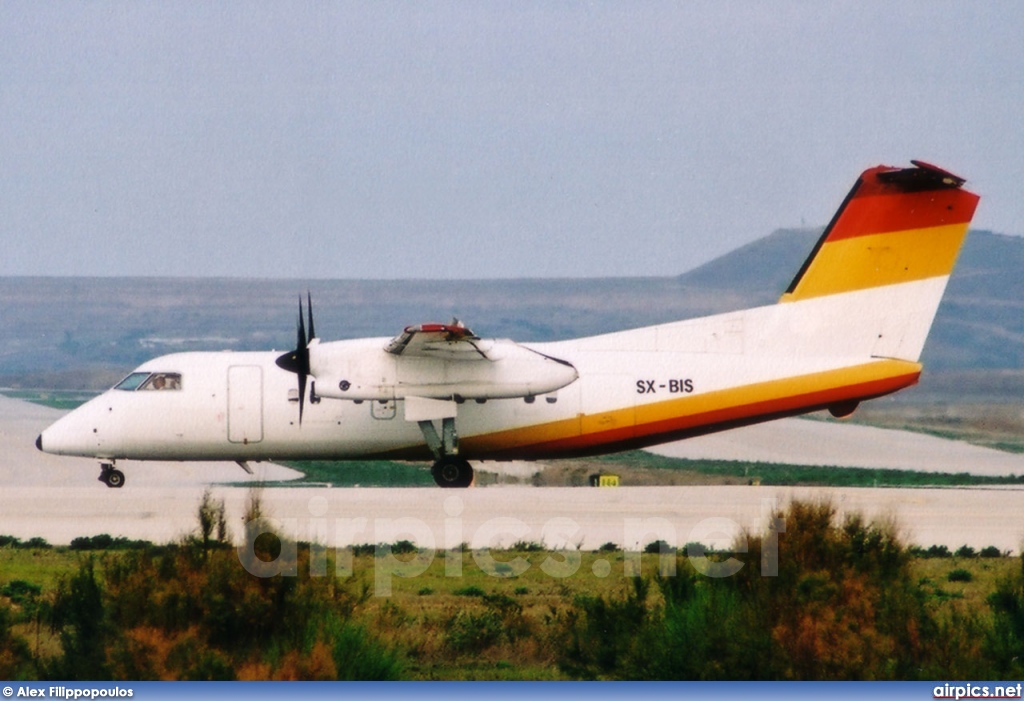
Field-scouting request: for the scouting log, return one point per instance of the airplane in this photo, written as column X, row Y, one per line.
column 850, row 327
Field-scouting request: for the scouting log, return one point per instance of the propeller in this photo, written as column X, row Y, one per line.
column 297, row 361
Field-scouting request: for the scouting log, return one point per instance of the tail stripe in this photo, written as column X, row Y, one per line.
column 879, row 214
column 895, row 226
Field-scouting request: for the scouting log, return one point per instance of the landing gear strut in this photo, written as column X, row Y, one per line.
column 111, row 477
column 449, row 470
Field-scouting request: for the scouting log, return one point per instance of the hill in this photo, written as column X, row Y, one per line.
column 85, row 332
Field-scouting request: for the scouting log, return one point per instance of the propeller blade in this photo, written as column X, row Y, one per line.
column 309, row 308
column 297, row 361
column 301, row 343
column 302, row 394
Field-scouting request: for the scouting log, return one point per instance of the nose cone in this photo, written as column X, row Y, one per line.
column 75, row 433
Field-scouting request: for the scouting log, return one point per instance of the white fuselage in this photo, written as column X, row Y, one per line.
column 634, row 388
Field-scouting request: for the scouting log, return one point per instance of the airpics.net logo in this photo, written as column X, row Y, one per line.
column 453, row 537
column 978, row 691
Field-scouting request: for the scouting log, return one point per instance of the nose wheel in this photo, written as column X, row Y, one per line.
column 111, row 477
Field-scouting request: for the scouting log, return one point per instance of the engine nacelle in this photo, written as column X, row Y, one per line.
column 361, row 370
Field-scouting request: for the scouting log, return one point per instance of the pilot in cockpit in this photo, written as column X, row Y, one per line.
column 163, row 381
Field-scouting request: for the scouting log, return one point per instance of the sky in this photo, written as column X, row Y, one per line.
column 454, row 140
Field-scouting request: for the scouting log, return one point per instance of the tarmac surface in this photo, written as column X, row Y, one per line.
column 812, row 442
column 59, row 498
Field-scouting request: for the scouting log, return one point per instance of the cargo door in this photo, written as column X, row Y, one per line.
column 245, row 404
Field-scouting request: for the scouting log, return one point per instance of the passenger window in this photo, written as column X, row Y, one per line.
column 162, row 381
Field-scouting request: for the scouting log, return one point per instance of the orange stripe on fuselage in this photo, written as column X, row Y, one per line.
column 650, row 424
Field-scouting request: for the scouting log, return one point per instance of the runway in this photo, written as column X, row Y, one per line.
column 59, row 499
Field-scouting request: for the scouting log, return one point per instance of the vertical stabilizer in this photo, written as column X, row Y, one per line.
column 882, row 264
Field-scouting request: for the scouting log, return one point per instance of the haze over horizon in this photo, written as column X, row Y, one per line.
column 467, row 141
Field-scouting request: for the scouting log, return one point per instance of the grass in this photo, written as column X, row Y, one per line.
column 580, row 572
column 933, row 575
column 42, row 567
column 65, row 400
column 399, row 474
column 525, row 612
column 360, row 473
column 484, row 627
column 995, row 425
column 810, row 475
column 472, row 626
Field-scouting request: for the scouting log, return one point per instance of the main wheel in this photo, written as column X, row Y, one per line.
column 451, row 471
column 113, row 478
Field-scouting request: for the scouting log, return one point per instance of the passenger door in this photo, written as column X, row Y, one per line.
column 245, row 404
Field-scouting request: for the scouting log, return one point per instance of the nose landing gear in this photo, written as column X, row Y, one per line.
column 111, row 477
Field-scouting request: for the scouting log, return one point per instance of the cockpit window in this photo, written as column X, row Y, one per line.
column 132, row 382
column 150, row 381
column 162, row 381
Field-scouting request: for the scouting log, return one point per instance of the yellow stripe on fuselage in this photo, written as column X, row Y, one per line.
column 652, row 423
column 874, row 260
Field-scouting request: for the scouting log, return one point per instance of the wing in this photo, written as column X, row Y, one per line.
column 447, row 341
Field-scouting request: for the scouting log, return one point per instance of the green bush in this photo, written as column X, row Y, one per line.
column 21, row 592
column 841, row 606
column 16, row 662
column 938, row 551
column 601, row 633
column 10, row 541
column 79, row 616
column 468, row 631
column 1004, row 643
column 960, row 575
column 659, row 547
column 193, row 612
column 105, row 541
column 471, row 590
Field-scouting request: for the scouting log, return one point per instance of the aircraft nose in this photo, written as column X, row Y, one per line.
column 75, row 433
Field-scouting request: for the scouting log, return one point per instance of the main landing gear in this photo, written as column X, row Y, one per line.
column 449, row 470
column 111, row 477
column 452, row 471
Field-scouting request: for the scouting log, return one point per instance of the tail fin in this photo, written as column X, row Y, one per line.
column 895, row 226
column 880, row 268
